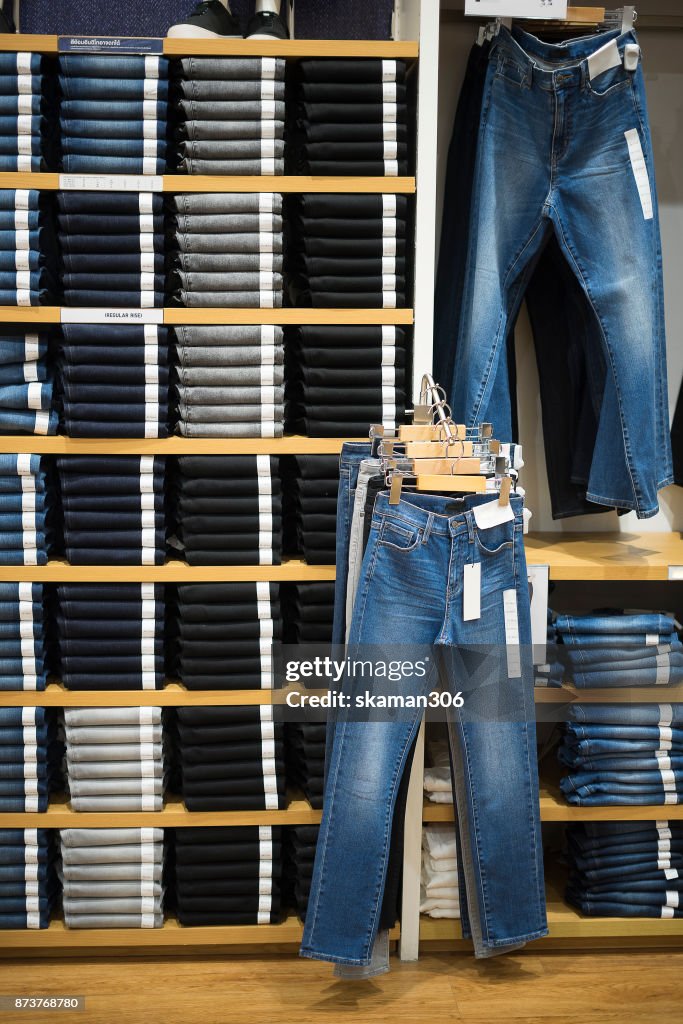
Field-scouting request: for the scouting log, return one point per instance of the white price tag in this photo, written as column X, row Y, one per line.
column 111, row 316
column 471, row 593
column 538, row 576
column 546, row 9
column 112, row 182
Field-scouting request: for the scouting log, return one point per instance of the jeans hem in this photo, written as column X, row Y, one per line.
column 331, row 958
column 642, row 513
column 509, row 945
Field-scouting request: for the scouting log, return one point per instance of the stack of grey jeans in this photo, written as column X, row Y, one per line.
column 113, row 877
column 114, row 759
column 228, row 250
column 230, row 381
column 233, row 115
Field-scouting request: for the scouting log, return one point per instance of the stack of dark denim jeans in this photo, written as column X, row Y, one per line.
column 309, row 611
column 26, row 397
column 113, row 508
column 115, row 759
column 348, row 251
column 311, row 483
column 113, row 113
column 112, row 246
column 28, row 248
column 228, row 510
column 300, row 844
column 26, row 497
column 23, row 662
column 623, row 754
column 231, row 758
column 233, row 115
column 113, row 877
column 340, row 379
column 305, row 750
column 228, row 876
column 230, row 381
column 350, row 117
column 626, row 868
column 30, row 755
column 225, row 635
column 227, row 250
column 114, row 380
column 124, row 619
column 29, row 886
column 617, row 649
column 27, row 113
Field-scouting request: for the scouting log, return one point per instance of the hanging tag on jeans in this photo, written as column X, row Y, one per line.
column 492, row 513
column 471, row 592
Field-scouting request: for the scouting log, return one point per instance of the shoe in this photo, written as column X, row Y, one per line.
column 6, row 24
column 267, row 25
column 209, row 19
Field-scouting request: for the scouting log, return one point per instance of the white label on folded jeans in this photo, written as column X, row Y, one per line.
column 668, row 780
column 149, row 149
column 150, row 132
column 389, row 92
column 663, row 863
column 21, row 220
column 266, row 202
column 151, row 89
column 25, row 147
column 268, row 130
column 514, row 663
column 27, row 628
column 24, row 127
column 22, row 260
column 24, row 466
column 604, row 59
column 24, row 63
column 23, row 297
column 389, row 246
column 389, row 357
column 30, row 372
column 389, row 228
column 389, row 112
column 663, row 676
column 21, row 240
column 267, row 110
column 270, row 783
column 471, row 594
column 268, row 67
column 389, row 300
column 24, row 104
column 24, row 163
column 672, row 898
column 146, row 242
column 146, row 222
column 666, row 715
column 151, row 66
column 652, row 639
column 267, row 89
column 640, row 173
column 663, row 830
column 389, row 282
column 388, row 70
column 24, row 85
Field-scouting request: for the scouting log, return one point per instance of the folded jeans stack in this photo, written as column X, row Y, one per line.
column 27, row 248
column 350, row 117
column 113, row 113
column 127, row 487
column 227, row 250
column 113, row 877
column 225, row 635
column 626, row 868
column 231, row 758
column 228, row 876
column 230, row 381
column 623, row 754
column 30, row 754
column 439, row 890
column 114, row 380
column 305, row 751
column 125, row 620
column 228, row 509
column 27, row 113
column 620, row 649
column 22, row 637
column 26, row 395
column 550, row 672
column 26, row 499
column 311, row 487
column 300, row 844
column 115, row 759
column 348, row 250
column 232, row 115
column 340, row 379
column 29, row 886
column 309, row 611
column 112, row 249
column 437, row 776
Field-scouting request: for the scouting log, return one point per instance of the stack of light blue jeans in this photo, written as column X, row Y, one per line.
column 25, row 503
column 30, row 753
column 113, row 508
column 114, row 380
column 113, row 877
column 232, row 112
column 22, row 637
column 227, row 250
column 26, row 397
column 552, row 671
column 29, row 886
column 27, row 112
column 27, row 248
column 626, row 868
column 114, row 759
column 112, row 246
column 230, row 381
column 620, row 649
column 629, row 754
column 113, row 113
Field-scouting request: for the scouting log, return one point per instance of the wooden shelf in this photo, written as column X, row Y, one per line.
column 58, row 571
column 173, row 695
column 181, row 315
column 567, row 694
column 606, row 556
column 295, row 183
column 59, row 445
column 174, row 815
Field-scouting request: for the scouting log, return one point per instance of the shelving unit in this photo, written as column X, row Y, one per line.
column 51, row 181
column 292, row 570
column 175, row 316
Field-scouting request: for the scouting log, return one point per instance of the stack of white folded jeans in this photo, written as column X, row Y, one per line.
column 439, row 892
column 25, row 531
column 28, row 109
column 230, row 381
column 113, row 877
column 26, row 379
column 23, row 661
column 115, row 759
column 29, row 886
column 227, row 250
column 232, row 113
column 28, row 251
column 30, row 756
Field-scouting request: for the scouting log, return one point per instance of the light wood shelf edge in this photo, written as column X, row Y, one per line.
column 183, row 315
column 283, row 183
column 606, row 556
column 399, row 49
column 60, row 445
column 58, row 571
column 173, row 695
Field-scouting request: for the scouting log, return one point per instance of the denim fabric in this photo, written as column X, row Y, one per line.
column 120, row 66
column 241, row 69
column 91, row 88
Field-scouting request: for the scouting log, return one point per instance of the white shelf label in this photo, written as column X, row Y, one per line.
column 546, row 9
column 112, row 182
column 112, row 316
column 675, row 573
column 538, row 576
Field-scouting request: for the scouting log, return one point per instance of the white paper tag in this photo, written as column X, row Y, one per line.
column 604, row 59
column 471, row 593
column 108, row 316
column 514, row 662
column 640, row 173
column 111, row 182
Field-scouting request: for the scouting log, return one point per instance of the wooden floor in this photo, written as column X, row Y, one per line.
column 443, row 988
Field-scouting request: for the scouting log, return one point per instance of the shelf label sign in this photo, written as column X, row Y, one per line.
column 112, row 316
column 111, row 182
column 539, row 576
column 109, row 44
column 549, row 10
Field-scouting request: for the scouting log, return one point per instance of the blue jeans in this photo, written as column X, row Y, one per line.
column 81, row 128
column 82, row 65
column 593, row 658
column 77, row 163
column 414, row 562
column 105, row 90
column 541, row 98
column 617, row 715
column 644, row 622
column 116, row 110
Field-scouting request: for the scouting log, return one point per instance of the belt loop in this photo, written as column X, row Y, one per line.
column 469, row 519
column 428, row 528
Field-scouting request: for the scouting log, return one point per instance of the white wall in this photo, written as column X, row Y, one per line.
column 663, row 66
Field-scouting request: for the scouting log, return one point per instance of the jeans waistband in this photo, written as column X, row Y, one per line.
column 553, row 66
column 436, row 514
column 353, row 453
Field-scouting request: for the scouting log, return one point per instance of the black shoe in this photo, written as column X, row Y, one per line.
column 209, row 19
column 267, row 25
column 6, row 23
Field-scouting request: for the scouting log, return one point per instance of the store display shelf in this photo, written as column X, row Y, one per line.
column 292, row 570
column 608, row 556
column 174, row 815
column 173, row 695
column 567, row 694
column 52, row 181
column 59, row 445
column 177, row 315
